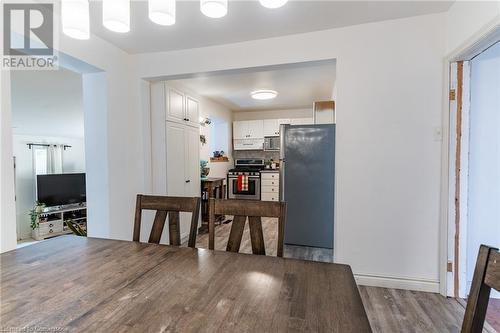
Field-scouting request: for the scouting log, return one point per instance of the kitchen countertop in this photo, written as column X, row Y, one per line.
column 270, row 170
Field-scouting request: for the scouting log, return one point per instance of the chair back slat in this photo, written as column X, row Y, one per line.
column 486, row 276
column 171, row 207
column 254, row 210
column 236, row 233
column 174, row 230
column 256, row 235
column 158, row 225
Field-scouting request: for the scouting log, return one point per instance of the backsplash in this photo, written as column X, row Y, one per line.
column 266, row 155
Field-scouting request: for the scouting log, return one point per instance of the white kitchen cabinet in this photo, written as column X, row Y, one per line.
column 175, row 105
column 302, row 121
column 175, row 151
column 270, row 186
column 192, row 111
column 272, row 126
column 248, row 129
column 181, row 108
column 240, row 130
column 183, row 170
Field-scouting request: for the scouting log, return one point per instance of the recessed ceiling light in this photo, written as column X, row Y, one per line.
column 263, row 94
column 213, row 8
column 273, row 3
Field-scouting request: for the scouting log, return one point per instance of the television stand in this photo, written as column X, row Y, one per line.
column 53, row 220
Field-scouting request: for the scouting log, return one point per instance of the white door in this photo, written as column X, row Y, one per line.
column 240, row 130
column 256, row 129
column 175, row 106
column 176, row 161
column 271, row 127
column 192, row 111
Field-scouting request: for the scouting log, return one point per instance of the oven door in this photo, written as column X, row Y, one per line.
column 253, row 192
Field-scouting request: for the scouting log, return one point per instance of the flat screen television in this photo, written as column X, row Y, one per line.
column 61, row 189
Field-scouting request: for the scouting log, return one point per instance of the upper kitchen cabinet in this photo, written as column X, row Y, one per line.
column 302, row 121
column 248, row 129
column 182, row 108
column 272, row 126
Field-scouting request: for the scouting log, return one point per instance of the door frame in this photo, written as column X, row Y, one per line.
column 450, row 243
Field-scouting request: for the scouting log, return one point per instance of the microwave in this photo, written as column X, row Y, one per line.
column 271, row 143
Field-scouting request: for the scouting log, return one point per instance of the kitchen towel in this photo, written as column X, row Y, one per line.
column 242, row 183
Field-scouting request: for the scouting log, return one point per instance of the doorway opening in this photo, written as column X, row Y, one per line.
column 474, row 168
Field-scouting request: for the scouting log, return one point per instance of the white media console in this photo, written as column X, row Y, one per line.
column 53, row 220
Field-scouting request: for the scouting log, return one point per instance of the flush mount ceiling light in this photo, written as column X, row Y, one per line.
column 162, row 12
column 273, row 3
column 116, row 15
column 75, row 18
column 213, row 8
column 263, row 94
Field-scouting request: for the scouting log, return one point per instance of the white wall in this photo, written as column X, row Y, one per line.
column 273, row 114
column 7, row 197
column 73, row 161
column 483, row 223
column 388, row 165
column 465, row 19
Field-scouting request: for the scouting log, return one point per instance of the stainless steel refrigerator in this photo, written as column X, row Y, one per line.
column 307, row 173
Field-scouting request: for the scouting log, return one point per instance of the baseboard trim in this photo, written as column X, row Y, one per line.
column 397, row 283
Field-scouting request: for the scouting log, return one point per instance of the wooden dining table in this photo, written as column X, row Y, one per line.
column 80, row 284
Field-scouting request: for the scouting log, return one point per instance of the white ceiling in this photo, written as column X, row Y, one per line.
column 248, row 20
column 298, row 86
column 47, row 103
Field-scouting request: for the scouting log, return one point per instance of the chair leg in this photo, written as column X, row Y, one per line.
column 174, row 230
column 234, row 242
column 256, row 235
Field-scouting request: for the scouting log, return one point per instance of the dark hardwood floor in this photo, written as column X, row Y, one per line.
column 389, row 310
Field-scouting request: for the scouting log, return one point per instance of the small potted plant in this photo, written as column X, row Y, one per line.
column 35, row 215
column 204, row 169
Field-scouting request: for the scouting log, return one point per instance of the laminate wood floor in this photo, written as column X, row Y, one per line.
column 389, row 310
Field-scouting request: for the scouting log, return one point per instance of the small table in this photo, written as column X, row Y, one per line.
column 83, row 284
column 211, row 187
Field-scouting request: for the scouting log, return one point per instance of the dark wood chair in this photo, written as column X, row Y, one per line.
column 164, row 206
column 486, row 276
column 254, row 210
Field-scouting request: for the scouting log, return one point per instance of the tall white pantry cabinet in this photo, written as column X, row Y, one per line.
column 175, row 146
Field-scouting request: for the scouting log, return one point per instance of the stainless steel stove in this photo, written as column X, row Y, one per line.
column 245, row 167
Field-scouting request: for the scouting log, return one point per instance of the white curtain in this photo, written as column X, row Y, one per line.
column 47, row 160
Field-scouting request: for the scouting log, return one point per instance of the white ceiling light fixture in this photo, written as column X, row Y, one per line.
column 162, row 12
column 263, row 94
column 116, row 15
column 75, row 18
column 214, row 8
column 273, row 3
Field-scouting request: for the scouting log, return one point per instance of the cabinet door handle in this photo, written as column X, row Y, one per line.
column 188, row 181
column 187, row 119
